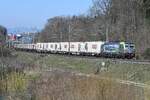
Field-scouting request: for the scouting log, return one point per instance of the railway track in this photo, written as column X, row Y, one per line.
column 114, row 60
column 142, row 62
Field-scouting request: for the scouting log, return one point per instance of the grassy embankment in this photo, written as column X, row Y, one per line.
column 64, row 85
column 132, row 72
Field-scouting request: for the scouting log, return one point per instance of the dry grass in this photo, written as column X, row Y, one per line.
column 66, row 86
column 14, row 82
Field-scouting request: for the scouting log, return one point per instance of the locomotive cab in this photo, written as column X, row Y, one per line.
column 127, row 49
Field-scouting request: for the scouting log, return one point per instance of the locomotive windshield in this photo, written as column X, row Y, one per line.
column 129, row 46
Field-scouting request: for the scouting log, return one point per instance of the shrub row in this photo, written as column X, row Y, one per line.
column 4, row 52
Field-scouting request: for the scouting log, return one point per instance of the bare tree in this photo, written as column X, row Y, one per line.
column 102, row 9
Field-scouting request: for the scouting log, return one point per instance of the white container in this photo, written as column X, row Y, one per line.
column 51, row 47
column 29, row 46
column 25, row 46
column 33, row 47
column 94, row 47
column 64, row 47
column 74, row 47
column 57, row 46
column 48, row 47
column 39, row 47
column 45, row 47
column 36, row 46
column 83, row 47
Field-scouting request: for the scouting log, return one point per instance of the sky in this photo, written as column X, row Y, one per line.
column 34, row 13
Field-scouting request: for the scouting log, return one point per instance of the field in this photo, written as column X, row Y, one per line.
column 59, row 77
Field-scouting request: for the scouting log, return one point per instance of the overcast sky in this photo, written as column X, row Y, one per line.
column 34, row 13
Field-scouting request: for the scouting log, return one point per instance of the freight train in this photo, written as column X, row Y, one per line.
column 95, row 48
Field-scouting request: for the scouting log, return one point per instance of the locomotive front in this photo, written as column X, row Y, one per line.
column 118, row 50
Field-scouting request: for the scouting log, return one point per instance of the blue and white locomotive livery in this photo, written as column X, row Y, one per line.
column 118, row 49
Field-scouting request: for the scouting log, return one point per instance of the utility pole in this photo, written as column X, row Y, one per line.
column 69, row 36
column 107, row 31
column 32, row 39
column 61, row 36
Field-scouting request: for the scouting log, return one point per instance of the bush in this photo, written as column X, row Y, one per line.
column 12, row 80
column 146, row 54
column 4, row 52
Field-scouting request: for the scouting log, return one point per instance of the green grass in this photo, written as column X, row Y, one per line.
column 132, row 72
column 80, row 64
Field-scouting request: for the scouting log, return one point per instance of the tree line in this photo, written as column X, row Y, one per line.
column 111, row 20
column 3, row 32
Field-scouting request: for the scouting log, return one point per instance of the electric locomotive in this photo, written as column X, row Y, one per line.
column 118, row 50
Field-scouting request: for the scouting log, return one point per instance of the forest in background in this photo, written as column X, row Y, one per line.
column 113, row 20
column 3, row 32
